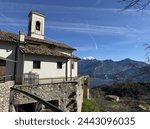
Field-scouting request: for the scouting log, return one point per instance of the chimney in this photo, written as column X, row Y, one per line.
column 21, row 36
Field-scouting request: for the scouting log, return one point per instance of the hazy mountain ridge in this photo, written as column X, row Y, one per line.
column 108, row 71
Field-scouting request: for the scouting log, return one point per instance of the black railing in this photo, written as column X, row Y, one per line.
column 48, row 105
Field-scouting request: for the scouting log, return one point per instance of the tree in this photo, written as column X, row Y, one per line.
column 140, row 4
column 147, row 55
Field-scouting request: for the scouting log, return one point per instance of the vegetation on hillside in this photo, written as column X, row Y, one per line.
column 90, row 106
column 133, row 97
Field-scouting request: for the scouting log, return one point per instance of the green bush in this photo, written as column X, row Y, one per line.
column 89, row 106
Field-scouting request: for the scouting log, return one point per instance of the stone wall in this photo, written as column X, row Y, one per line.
column 69, row 95
column 82, row 91
column 64, row 92
column 5, row 95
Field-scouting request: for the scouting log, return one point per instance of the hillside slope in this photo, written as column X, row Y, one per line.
column 108, row 71
column 131, row 95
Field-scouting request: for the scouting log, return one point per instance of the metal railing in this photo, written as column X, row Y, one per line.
column 31, row 79
column 56, row 80
column 3, row 79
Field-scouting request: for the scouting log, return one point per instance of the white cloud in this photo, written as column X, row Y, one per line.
column 94, row 29
column 80, row 9
column 12, row 24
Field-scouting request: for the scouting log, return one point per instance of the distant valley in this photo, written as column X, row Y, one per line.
column 109, row 72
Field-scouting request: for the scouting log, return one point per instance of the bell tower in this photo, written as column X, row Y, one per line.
column 36, row 25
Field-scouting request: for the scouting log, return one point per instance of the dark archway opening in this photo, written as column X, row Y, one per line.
column 38, row 26
column 30, row 107
column 54, row 102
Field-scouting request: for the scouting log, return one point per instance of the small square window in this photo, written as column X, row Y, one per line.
column 36, row 64
column 72, row 65
column 59, row 65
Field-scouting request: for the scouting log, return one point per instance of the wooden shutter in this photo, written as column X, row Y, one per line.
column 2, row 67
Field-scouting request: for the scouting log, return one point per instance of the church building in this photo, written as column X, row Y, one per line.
column 30, row 59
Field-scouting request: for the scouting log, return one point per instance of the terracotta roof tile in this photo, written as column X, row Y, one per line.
column 39, row 50
column 43, row 50
column 15, row 37
column 7, row 36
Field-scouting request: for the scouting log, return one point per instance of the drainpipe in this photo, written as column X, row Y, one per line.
column 21, row 40
column 15, row 66
column 23, row 58
column 67, row 70
column 71, row 69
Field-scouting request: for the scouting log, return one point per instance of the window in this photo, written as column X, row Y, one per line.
column 37, row 26
column 72, row 65
column 36, row 64
column 59, row 65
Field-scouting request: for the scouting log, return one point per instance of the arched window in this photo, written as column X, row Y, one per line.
column 38, row 25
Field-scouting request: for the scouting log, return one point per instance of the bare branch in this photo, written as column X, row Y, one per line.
column 147, row 55
column 140, row 4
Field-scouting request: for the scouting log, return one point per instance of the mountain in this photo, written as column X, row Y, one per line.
column 89, row 58
column 108, row 71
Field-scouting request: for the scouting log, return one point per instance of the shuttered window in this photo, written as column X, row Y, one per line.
column 2, row 67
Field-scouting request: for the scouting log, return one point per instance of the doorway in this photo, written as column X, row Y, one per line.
column 2, row 67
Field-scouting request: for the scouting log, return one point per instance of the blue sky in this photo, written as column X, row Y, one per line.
column 97, row 28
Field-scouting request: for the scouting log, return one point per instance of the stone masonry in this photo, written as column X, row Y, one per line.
column 64, row 92
column 69, row 95
column 5, row 95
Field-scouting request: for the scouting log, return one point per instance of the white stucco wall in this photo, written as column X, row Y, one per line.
column 68, row 66
column 48, row 66
column 75, row 70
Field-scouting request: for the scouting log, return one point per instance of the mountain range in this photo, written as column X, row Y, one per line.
column 109, row 71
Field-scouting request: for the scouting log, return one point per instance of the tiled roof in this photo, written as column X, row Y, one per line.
column 57, row 44
column 15, row 37
column 6, row 37
column 43, row 50
column 75, row 57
